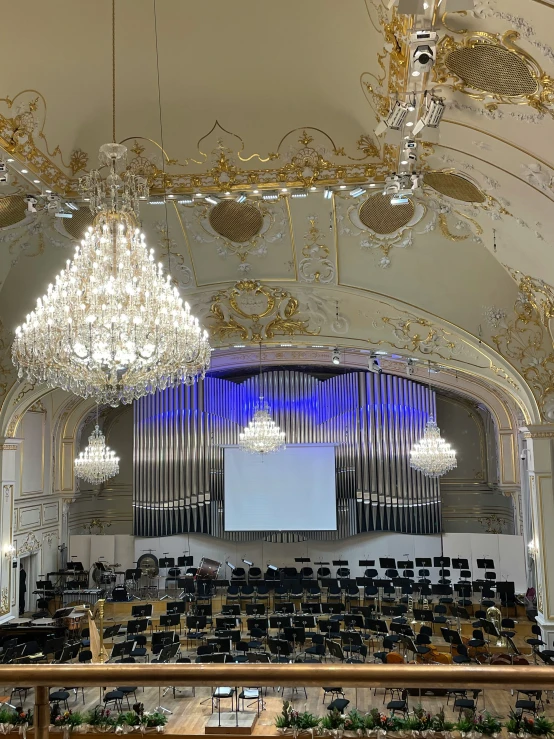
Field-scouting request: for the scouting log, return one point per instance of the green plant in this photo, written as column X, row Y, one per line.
column 21, row 717
column 354, row 721
column 68, row 718
column 484, row 724
column 420, row 720
column 440, row 724
column 539, row 726
column 375, row 720
column 100, row 717
column 7, row 716
column 154, row 719
column 333, row 720
column 128, row 718
column 291, row 719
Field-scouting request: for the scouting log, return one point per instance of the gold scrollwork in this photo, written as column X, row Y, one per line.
column 255, row 312
column 529, row 83
column 4, row 601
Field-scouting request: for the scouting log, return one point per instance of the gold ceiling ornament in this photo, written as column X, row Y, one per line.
column 454, row 186
column 315, row 266
column 525, row 339
column 485, row 65
column 417, row 334
column 254, row 312
column 78, row 161
column 255, row 224
column 12, row 210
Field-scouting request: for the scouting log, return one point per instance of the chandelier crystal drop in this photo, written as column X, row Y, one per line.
column 111, row 327
column 432, row 455
column 262, row 435
column 97, row 463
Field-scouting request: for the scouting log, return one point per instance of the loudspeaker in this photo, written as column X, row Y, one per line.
column 120, row 594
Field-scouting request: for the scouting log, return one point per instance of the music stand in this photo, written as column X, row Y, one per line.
column 423, row 562
column 178, row 606
column 255, row 609
column 387, row 563
column 340, row 563
column 441, row 562
column 405, row 564
column 166, row 562
column 230, row 609
column 485, row 564
column 142, row 611
column 302, row 560
column 185, row 561
column 441, row 589
column 460, row 564
column 366, row 563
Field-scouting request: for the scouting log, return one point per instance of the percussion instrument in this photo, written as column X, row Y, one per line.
column 20, row 621
column 85, row 595
column 208, row 569
column 42, row 622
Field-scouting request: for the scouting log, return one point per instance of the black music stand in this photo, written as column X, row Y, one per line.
column 166, row 562
column 185, row 561
column 366, row 563
column 441, row 562
column 405, row 564
column 178, row 606
column 485, row 564
column 387, row 563
column 231, row 609
column 302, row 560
column 423, row 562
column 459, row 563
column 255, row 609
column 340, row 563
column 142, row 611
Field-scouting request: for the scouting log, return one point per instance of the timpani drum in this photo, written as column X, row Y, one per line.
column 208, row 569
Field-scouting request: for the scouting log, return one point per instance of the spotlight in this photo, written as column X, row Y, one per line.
column 241, row 197
column 327, row 193
column 4, row 173
column 434, row 112
column 395, row 119
column 336, row 355
column 232, row 567
column 72, row 206
column 399, row 200
column 248, row 562
column 156, row 201
column 373, row 364
column 410, row 371
column 31, row 203
column 270, row 195
column 299, row 193
column 186, row 200
column 424, row 51
column 272, row 568
column 210, row 199
column 357, row 191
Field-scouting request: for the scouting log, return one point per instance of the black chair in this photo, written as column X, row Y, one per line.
column 262, row 593
column 247, row 592
column 115, row 697
column 238, row 574
column 306, row 573
column 314, row 594
column 127, row 691
column 334, row 593
column 536, row 641
column 343, row 572
column 424, row 577
column 444, row 576
column 60, row 696
column 323, row 573
column 337, row 692
column 399, row 705
column 254, row 574
column 508, row 628
column 392, row 574
column 233, row 594
column 352, row 594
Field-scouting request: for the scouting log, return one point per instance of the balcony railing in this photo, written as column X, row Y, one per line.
column 42, row 677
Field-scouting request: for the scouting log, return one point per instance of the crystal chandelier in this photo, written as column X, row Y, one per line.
column 432, row 455
column 111, row 327
column 97, row 462
column 262, row 435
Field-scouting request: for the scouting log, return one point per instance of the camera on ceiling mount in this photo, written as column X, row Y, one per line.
column 423, row 46
column 4, row 173
column 31, row 201
column 373, row 364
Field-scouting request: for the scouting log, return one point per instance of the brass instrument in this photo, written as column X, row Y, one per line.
column 494, row 615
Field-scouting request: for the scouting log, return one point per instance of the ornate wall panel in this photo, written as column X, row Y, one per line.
column 180, row 435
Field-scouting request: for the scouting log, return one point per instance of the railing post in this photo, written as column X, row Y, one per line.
column 42, row 712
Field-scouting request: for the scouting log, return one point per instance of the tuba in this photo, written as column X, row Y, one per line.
column 494, row 615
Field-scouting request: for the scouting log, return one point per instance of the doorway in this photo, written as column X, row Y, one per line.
column 29, row 565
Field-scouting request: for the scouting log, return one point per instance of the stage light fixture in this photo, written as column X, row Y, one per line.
column 241, row 197
column 272, row 568
column 270, row 195
column 423, row 45
column 357, row 192
column 31, row 203
column 300, row 193
column 248, row 562
column 434, row 111
column 373, row 364
column 211, row 200
column 336, row 355
column 186, row 200
column 410, row 370
column 327, row 193
column 394, row 120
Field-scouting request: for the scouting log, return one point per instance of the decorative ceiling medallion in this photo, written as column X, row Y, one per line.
column 251, row 311
column 493, row 69
column 484, row 65
column 454, row 186
column 12, row 210
column 238, row 222
column 381, row 217
column 79, row 223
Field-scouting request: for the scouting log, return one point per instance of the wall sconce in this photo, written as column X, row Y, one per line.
column 533, row 549
column 9, row 551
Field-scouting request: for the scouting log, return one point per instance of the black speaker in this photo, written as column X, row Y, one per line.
column 119, row 594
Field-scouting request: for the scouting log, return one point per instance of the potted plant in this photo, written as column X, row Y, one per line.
column 376, row 723
column 354, row 724
column 127, row 722
column 7, row 720
column 290, row 721
column 440, row 726
column 527, row 726
column 67, row 721
column 22, row 720
column 419, row 722
column 473, row 726
column 154, row 721
column 100, row 720
column 333, row 723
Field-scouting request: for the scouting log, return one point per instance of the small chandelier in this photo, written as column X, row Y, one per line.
column 111, row 327
column 97, row 463
column 432, row 455
column 262, row 435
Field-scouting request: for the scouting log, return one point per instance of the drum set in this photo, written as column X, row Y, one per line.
column 105, row 575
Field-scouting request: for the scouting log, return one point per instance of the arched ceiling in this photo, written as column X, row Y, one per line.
column 259, row 97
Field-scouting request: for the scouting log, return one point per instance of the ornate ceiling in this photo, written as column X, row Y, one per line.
column 287, row 99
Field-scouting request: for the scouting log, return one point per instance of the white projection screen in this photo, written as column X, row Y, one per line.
column 290, row 490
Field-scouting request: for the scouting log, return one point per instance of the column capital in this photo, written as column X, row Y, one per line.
column 8, row 444
column 538, row 431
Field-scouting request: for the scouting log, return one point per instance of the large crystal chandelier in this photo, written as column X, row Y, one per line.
column 97, row 463
column 110, row 326
column 262, row 435
column 432, row 455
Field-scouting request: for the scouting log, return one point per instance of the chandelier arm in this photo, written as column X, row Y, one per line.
column 113, row 71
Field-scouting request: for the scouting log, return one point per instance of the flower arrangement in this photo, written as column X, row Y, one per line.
column 101, row 719
column 527, row 726
column 293, row 722
column 333, row 722
column 354, row 723
column 440, row 725
column 484, row 724
column 419, row 721
column 67, row 718
column 379, row 722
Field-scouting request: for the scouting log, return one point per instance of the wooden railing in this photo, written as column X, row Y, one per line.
column 42, row 677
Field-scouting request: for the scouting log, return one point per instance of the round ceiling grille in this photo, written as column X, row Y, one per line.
column 380, row 216
column 78, row 224
column 12, row 210
column 454, row 186
column 237, row 222
column 493, row 69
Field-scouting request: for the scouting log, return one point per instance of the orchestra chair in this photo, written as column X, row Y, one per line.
column 59, row 696
column 306, row 573
column 336, row 692
column 323, row 573
column 399, row 705
column 254, row 574
column 314, row 594
column 262, row 593
column 247, row 592
column 233, row 594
